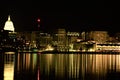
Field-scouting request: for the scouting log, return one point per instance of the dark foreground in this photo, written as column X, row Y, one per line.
column 88, row 76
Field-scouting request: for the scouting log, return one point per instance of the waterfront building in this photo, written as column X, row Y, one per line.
column 98, row 36
column 72, row 37
column 60, row 39
column 117, row 36
column 35, row 39
column 43, row 40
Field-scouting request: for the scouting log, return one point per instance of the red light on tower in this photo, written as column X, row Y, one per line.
column 38, row 20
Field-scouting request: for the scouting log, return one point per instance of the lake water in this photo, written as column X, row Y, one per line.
column 67, row 66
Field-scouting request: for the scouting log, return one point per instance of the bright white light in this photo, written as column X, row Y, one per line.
column 49, row 48
column 9, row 25
column 91, row 50
column 9, row 52
column 73, row 50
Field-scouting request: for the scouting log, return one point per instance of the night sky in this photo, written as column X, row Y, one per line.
column 73, row 16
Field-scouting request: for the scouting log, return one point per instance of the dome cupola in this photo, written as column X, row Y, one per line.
column 9, row 25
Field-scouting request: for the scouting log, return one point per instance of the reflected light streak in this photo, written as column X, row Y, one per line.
column 34, row 61
column 38, row 74
column 72, row 65
column 9, row 71
column 23, row 61
column 49, row 58
column 9, row 67
column 27, row 61
column 59, row 65
column 118, row 62
column 18, row 62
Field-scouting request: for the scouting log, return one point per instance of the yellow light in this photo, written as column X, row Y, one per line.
column 9, row 72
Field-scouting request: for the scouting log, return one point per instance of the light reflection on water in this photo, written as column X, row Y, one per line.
column 9, row 66
column 44, row 66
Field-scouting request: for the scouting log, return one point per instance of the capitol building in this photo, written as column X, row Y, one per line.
column 9, row 25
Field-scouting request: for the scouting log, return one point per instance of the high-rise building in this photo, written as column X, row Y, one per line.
column 98, row 36
column 60, row 39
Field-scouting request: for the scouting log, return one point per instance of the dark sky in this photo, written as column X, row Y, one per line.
column 74, row 16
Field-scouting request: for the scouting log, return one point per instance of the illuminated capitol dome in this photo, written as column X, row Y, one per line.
column 9, row 25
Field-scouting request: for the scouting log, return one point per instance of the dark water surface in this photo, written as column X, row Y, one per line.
column 77, row 66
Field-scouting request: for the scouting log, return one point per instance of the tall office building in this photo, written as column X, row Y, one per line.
column 99, row 36
column 60, row 39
